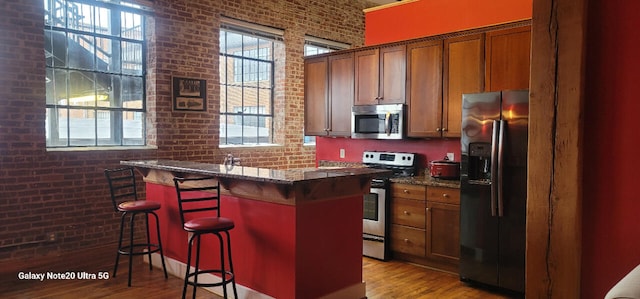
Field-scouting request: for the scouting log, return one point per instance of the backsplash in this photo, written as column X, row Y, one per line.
column 427, row 149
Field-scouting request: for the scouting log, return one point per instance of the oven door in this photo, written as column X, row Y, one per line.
column 374, row 212
column 375, row 243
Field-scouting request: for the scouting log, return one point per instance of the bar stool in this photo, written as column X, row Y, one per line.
column 122, row 185
column 196, row 196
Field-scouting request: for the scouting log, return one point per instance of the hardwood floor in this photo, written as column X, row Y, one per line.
column 392, row 279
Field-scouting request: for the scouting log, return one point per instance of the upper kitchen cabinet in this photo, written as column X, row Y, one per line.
column 508, row 56
column 329, row 88
column 424, row 88
column 380, row 75
column 463, row 73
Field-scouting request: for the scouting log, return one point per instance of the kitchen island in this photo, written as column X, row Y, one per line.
column 298, row 232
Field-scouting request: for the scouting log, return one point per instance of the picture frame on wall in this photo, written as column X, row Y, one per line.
column 189, row 94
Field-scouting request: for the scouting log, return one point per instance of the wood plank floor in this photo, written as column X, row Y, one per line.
column 392, row 279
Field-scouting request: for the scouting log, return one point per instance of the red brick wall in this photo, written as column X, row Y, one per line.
column 64, row 192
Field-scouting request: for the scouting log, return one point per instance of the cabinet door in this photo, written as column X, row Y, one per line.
column 443, row 232
column 392, row 75
column 508, row 58
column 424, row 88
column 367, row 77
column 464, row 73
column 315, row 96
column 341, row 84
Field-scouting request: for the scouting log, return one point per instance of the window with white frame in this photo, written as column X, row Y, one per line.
column 315, row 46
column 95, row 68
column 248, row 55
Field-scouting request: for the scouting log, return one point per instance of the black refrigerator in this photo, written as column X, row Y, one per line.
column 493, row 190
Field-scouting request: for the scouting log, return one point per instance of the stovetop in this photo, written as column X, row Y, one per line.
column 402, row 164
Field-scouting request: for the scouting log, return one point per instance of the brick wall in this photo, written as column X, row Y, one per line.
column 64, row 192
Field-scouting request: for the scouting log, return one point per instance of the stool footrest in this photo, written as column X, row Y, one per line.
column 124, row 250
column 210, row 284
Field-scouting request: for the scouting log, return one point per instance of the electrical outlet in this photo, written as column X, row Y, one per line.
column 451, row 156
column 51, row 237
column 342, row 154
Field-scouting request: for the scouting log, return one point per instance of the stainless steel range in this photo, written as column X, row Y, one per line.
column 375, row 229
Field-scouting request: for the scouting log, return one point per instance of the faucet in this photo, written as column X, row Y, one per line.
column 229, row 160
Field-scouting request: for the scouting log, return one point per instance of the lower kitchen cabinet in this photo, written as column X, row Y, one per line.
column 443, row 221
column 425, row 225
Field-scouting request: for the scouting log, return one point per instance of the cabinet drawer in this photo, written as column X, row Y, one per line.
column 408, row 191
column 408, row 240
column 408, row 212
column 443, row 195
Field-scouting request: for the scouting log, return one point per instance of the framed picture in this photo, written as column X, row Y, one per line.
column 189, row 94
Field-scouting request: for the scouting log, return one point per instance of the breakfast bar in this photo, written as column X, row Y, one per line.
column 298, row 232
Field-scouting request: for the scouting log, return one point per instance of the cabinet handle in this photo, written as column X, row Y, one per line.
column 445, row 195
column 437, row 129
column 406, row 240
column 405, row 191
column 444, row 129
column 427, row 209
column 406, row 212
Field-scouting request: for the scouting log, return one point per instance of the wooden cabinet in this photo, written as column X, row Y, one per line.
column 508, row 59
column 443, row 224
column 408, row 219
column 424, row 88
column 380, row 75
column 463, row 73
column 425, row 225
column 329, row 83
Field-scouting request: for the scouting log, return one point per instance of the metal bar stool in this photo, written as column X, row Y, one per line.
column 122, row 184
column 197, row 195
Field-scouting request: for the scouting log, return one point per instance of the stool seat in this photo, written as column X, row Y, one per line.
column 138, row 206
column 209, row 224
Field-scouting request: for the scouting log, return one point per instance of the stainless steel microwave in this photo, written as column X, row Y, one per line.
column 378, row 121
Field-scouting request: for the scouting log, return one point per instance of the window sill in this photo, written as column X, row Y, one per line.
column 101, row 148
column 249, row 146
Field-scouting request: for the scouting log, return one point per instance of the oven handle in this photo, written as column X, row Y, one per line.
column 369, row 237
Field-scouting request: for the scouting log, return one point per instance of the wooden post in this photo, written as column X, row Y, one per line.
column 554, row 208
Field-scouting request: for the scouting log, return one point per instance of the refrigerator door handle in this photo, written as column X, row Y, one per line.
column 501, row 141
column 494, row 166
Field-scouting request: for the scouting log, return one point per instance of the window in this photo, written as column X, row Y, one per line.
column 315, row 46
column 248, row 55
column 95, row 67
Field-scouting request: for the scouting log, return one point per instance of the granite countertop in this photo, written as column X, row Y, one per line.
column 427, row 181
column 286, row 177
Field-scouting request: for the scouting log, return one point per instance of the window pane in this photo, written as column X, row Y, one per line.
column 233, row 43
column 56, row 86
column 80, row 17
column 105, row 134
column 131, row 58
column 82, row 88
column 82, row 127
column 233, row 96
column 105, row 55
column 133, row 128
column 56, row 127
column 80, row 49
column 103, row 21
column 132, row 26
column 55, row 49
column 132, row 92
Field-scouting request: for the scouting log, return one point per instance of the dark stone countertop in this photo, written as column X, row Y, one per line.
column 285, row 177
column 427, row 181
